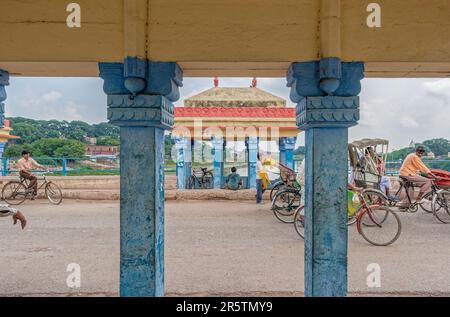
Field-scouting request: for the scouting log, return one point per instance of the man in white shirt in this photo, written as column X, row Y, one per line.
column 6, row 211
column 26, row 165
column 259, row 181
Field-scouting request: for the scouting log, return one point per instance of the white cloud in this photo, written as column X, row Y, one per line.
column 441, row 86
column 52, row 96
column 408, row 122
column 395, row 109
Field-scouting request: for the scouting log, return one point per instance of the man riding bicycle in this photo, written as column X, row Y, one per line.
column 26, row 165
column 411, row 167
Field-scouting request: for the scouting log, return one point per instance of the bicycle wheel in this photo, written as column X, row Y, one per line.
column 278, row 185
column 427, row 207
column 375, row 197
column 208, row 181
column 380, row 234
column 441, row 206
column 191, row 182
column 53, row 193
column 299, row 222
column 284, row 205
column 14, row 193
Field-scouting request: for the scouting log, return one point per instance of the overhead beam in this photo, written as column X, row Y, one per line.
column 225, row 38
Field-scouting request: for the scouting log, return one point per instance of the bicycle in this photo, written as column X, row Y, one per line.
column 372, row 197
column 286, row 202
column 16, row 192
column 437, row 200
column 287, row 180
column 204, row 181
column 370, row 218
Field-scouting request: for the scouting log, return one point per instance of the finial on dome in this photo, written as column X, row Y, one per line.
column 254, row 82
column 216, row 82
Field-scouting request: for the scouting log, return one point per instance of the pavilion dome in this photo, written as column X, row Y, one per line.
column 234, row 97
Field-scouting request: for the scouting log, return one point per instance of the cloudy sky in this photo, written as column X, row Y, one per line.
column 397, row 109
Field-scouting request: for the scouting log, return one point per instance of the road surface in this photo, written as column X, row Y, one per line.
column 212, row 248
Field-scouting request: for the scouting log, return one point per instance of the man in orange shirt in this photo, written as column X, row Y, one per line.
column 411, row 167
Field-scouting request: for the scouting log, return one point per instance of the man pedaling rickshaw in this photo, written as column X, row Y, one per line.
column 411, row 167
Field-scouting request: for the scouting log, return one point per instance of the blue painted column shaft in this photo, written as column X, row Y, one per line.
column 327, row 105
column 2, row 150
column 287, row 146
column 5, row 166
column 252, row 152
column 218, row 146
column 140, row 95
column 326, row 212
column 184, row 161
column 64, row 167
column 142, row 211
column 4, row 81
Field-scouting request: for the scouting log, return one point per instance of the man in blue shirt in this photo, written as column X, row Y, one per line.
column 233, row 181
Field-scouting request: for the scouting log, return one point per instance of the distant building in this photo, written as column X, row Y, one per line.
column 103, row 150
column 91, row 141
column 431, row 155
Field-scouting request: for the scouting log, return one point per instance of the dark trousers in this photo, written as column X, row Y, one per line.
column 259, row 190
column 32, row 179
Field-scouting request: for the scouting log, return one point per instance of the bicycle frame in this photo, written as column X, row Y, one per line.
column 26, row 182
column 406, row 185
column 364, row 208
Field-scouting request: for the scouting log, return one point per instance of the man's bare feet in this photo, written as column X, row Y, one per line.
column 20, row 217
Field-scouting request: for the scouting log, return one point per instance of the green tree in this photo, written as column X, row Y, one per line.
column 108, row 140
column 54, row 147
column 72, row 149
column 105, row 129
column 15, row 150
column 440, row 147
column 27, row 132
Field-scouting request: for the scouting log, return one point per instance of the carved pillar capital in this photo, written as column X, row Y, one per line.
column 141, row 92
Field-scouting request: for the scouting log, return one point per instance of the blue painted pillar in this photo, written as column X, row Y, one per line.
column 5, row 166
column 64, row 167
column 2, row 149
column 287, row 146
column 140, row 95
column 184, row 161
column 218, row 146
column 326, row 92
column 4, row 81
column 252, row 144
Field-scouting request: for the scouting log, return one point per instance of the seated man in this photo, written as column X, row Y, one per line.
column 6, row 211
column 385, row 183
column 413, row 165
column 233, row 181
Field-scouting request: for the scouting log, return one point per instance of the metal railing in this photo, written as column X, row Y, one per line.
column 70, row 166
